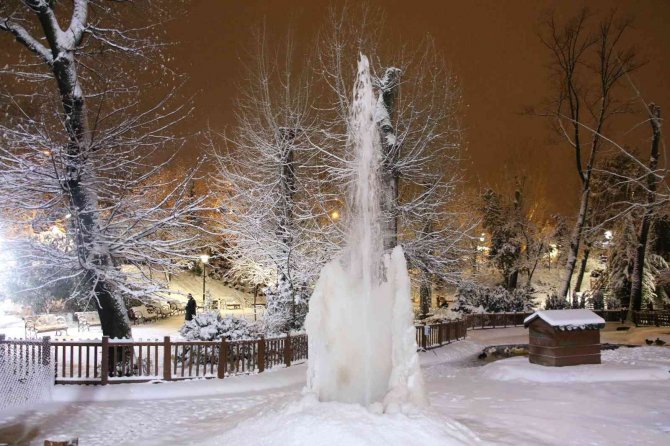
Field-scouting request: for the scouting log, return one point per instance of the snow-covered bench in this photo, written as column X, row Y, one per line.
column 46, row 322
column 87, row 319
column 177, row 305
column 159, row 307
column 141, row 314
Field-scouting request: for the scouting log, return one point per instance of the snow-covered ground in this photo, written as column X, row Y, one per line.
column 620, row 402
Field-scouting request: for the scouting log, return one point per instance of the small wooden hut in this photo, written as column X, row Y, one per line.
column 564, row 337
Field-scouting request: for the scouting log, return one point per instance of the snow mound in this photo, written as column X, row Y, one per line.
column 309, row 422
column 519, row 369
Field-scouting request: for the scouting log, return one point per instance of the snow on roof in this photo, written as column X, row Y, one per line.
column 568, row 319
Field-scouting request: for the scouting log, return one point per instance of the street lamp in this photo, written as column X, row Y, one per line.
column 204, row 258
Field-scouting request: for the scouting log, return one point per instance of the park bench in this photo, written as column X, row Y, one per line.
column 141, row 314
column 177, row 306
column 160, row 307
column 87, row 319
column 45, row 322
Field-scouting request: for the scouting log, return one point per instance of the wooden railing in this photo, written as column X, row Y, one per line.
column 653, row 318
column 502, row 320
column 109, row 361
column 24, row 355
column 121, row 361
column 436, row 335
column 495, row 320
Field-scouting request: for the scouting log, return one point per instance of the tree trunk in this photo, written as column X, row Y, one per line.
column 287, row 185
column 425, row 293
column 575, row 240
column 112, row 312
column 91, row 249
column 537, row 260
column 388, row 86
column 582, row 268
column 511, row 280
column 635, row 302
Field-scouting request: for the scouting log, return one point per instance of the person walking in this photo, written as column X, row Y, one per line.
column 190, row 307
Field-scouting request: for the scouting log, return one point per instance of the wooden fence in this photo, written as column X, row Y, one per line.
column 494, row 320
column 653, row 318
column 111, row 361
column 502, row 320
column 24, row 355
column 436, row 335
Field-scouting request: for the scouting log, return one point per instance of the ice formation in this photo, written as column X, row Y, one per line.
column 362, row 346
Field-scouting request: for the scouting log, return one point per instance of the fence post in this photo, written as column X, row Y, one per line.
column 287, row 350
column 46, row 350
column 223, row 359
column 261, row 354
column 104, row 365
column 439, row 333
column 167, row 359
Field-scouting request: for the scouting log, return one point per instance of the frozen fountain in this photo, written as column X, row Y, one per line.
column 362, row 346
column 364, row 384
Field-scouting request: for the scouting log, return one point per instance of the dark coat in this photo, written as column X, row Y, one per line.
column 190, row 309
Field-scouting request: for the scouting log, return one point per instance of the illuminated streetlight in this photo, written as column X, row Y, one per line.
column 335, row 215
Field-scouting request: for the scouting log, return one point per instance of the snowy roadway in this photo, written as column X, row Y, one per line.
column 510, row 402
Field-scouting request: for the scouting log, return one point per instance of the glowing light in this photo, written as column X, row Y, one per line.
column 608, row 235
column 482, row 237
column 55, row 230
column 68, row 216
column 204, row 258
column 335, row 215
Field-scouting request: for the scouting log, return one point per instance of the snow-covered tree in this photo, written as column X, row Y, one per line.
column 588, row 68
column 276, row 208
column 475, row 298
column 80, row 149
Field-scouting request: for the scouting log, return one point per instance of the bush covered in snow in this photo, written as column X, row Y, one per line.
column 597, row 299
column 212, row 326
column 441, row 315
column 475, row 298
column 279, row 317
column 554, row 302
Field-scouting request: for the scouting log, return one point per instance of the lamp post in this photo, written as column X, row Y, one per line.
column 204, row 258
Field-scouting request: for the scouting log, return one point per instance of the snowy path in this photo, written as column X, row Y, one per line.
column 621, row 402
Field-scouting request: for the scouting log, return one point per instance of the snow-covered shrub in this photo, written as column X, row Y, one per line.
column 612, row 303
column 554, row 302
column 597, row 300
column 212, row 326
column 441, row 315
column 280, row 299
column 473, row 298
